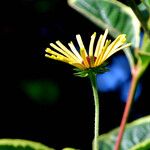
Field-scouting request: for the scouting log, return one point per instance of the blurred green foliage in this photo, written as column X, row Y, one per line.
column 41, row 91
column 43, row 6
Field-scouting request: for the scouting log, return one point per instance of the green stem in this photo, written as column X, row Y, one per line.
column 92, row 77
column 135, row 77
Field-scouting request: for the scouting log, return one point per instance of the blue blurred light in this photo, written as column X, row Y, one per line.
column 141, row 38
column 125, row 89
column 119, row 72
column 117, row 78
column 106, row 82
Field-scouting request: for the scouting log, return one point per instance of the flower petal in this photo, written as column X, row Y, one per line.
column 115, row 44
column 91, row 47
column 81, row 45
column 71, row 55
column 101, row 45
column 83, row 55
column 100, row 58
column 116, row 50
column 74, row 50
column 92, row 44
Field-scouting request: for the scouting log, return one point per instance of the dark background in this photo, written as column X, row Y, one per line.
column 27, row 27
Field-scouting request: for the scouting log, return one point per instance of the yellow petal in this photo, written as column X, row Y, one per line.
column 83, row 55
column 102, row 42
column 74, row 50
column 71, row 55
column 78, row 65
column 114, row 45
column 59, row 49
column 98, row 45
column 100, row 58
column 91, row 47
column 92, row 44
column 116, row 50
column 59, row 58
column 80, row 42
column 48, row 50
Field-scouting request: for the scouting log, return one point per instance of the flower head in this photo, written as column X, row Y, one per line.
column 91, row 59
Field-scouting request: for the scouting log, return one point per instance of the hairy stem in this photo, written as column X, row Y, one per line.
column 135, row 77
column 96, row 101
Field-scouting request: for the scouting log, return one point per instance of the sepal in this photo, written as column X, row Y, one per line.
column 96, row 70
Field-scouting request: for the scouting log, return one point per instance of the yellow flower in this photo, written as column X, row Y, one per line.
column 84, row 59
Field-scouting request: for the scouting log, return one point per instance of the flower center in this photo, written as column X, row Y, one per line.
column 91, row 60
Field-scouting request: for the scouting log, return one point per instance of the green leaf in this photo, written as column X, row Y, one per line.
column 69, row 148
column 142, row 146
column 144, row 54
column 115, row 16
column 136, row 136
column 147, row 4
column 145, row 57
column 19, row 144
column 144, row 11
